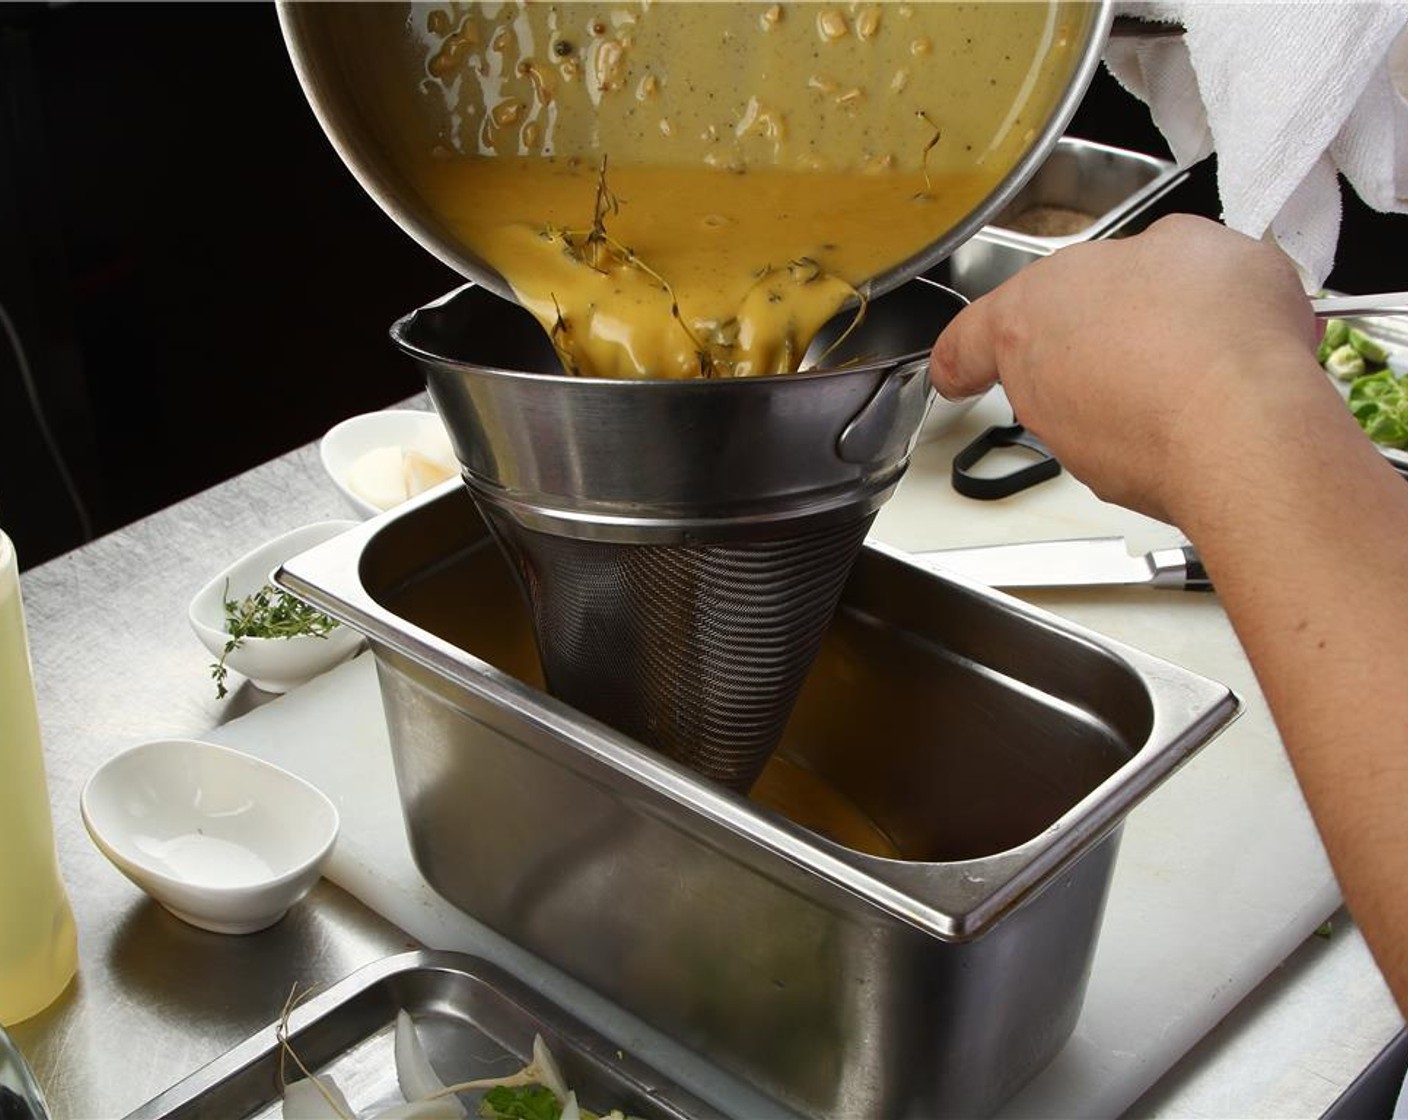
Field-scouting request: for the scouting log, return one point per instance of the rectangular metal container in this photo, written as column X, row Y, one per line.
column 981, row 263
column 998, row 748
column 1114, row 186
column 474, row 1020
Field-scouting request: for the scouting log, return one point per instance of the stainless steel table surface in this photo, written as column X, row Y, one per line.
column 116, row 663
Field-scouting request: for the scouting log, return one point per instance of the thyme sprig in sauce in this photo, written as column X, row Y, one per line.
column 268, row 613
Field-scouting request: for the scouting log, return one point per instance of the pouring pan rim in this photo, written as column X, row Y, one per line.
column 400, row 332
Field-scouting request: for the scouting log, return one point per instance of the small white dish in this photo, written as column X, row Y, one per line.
column 223, row 840
column 272, row 664
column 379, row 459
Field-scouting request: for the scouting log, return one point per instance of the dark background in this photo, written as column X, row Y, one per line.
column 200, row 285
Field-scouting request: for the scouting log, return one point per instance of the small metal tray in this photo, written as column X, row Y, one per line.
column 1117, row 188
column 1112, row 186
column 474, row 1020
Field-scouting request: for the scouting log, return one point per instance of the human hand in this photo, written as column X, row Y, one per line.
column 1135, row 359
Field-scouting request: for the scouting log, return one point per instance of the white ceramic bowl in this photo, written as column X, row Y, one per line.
column 223, row 840
column 273, row 664
column 390, row 433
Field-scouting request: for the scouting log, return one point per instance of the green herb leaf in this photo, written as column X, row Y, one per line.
column 522, row 1102
column 269, row 613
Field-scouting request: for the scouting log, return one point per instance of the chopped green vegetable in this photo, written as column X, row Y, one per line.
column 520, row 1102
column 1373, row 352
column 1377, row 397
column 1374, row 391
column 1345, row 363
column 1336, row 335
column 532, row 1102
column 1346, row 352
column 1379, row 401
column 269, row 613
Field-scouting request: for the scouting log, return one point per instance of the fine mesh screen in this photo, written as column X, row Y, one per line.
column 696, row 650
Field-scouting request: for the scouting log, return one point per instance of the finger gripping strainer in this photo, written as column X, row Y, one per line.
column 681, row 545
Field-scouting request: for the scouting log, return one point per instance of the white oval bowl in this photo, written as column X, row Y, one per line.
column 345, row 443
column 223, row 840
column 272, row 664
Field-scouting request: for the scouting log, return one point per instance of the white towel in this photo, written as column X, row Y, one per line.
column 1290, row 96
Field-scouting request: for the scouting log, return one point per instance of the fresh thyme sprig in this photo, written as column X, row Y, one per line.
column 269, row 613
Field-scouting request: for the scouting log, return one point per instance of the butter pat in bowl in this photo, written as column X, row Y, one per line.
column 379, row 459
column 274, row 664
column 223, row 840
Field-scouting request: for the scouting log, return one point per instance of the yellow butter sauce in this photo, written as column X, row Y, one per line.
column 682, row 188
column 740, row 253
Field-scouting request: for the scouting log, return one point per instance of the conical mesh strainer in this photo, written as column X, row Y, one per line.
column 696, row 650
column 681, row 545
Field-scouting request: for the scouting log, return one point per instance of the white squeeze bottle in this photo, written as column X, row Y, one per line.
column 38, row 943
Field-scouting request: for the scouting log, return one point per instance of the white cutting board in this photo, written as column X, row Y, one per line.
column 1220, row 874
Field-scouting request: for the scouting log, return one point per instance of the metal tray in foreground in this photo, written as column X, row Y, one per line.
column 474, row 1020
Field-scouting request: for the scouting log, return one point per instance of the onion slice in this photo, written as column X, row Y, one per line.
column 417, row 1077
column 321, row 1099
column 437, row 1108
column 545, row 1066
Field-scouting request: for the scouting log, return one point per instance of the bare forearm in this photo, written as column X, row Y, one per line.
column 1306, row 538
column 1174, row 373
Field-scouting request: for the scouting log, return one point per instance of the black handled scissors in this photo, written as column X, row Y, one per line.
column 989, row 487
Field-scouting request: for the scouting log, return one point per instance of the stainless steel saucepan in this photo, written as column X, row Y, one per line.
column 339, row 89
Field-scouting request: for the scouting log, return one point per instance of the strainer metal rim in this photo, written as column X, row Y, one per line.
column 400, row 329
column 813, row 511
column 628, row 452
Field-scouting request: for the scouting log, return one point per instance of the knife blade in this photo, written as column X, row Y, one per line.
column 1078, row 562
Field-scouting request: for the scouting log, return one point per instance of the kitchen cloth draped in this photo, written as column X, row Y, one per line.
column 1289, row 96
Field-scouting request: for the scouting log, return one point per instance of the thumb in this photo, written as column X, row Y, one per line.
column 963, row 361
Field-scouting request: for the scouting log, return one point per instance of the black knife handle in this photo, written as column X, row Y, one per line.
column 1178, row 568
column 1194, row 573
